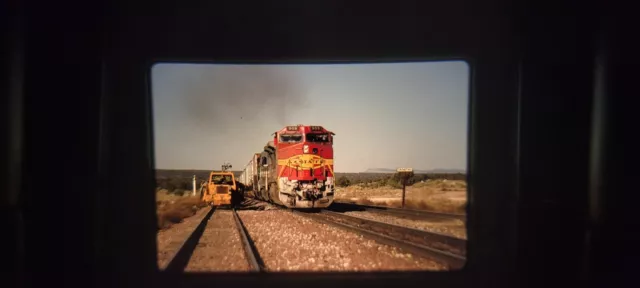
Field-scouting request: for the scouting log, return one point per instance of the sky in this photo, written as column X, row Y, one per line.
column 385, row 115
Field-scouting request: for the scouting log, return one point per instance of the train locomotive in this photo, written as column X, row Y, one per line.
column 295, row 169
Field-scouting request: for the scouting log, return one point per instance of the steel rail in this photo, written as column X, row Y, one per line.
column 251, row 252
column 435, row 240
column 453, row 261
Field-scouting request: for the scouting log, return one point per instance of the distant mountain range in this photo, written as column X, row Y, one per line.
column 432, row 171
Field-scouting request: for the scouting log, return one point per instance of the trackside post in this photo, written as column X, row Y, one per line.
column 404, row 174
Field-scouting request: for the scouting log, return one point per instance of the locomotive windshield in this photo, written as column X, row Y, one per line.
column 290, row 138
column 318, row 137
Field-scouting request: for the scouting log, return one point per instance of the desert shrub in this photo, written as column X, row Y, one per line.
column 163, row 183
column 376, row 180
column 376, row 184
column 171, row 184
column 395, row 184
column 343, row 181
column 181, row 183
column 178, row 192
column 417, row 178
column 172, row 213
column 397, row 179
column 374, row 177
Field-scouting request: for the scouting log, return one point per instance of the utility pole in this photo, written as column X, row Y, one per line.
column 193, row 184
column 404, row 174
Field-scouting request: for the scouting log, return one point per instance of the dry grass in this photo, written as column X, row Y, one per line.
column 435, row 195
column 439, row 205
column 417, row 190
column 436, row 204
column 365, row 201
column 442, row 185
column 172, row 209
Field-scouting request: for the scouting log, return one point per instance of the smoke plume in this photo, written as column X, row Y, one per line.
column 230, row 97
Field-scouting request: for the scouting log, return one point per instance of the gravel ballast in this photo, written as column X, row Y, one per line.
column 289, row 242
column 219, row 248
column 252, row 204
column 451, row 227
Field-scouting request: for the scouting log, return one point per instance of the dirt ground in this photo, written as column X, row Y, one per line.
column 436, row 195
column 220, row 248
column 170, row 240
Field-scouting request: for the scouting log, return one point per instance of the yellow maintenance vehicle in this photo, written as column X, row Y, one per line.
column 221, row 189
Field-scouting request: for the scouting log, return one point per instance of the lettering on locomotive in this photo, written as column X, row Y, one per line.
column 305, row 161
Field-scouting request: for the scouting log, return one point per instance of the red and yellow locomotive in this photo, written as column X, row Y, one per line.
column 295, row 169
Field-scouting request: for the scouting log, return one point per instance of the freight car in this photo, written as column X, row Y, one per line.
column 249, row 175
column 295, row 169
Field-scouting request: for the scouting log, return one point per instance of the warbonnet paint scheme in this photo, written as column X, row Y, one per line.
column 295, row 169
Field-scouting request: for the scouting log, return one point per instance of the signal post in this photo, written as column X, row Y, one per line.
column 404, row 174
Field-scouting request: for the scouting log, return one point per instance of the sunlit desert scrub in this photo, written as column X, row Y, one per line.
column 172, row 208
column 435, row 195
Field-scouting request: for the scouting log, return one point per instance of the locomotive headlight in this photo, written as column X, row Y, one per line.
column 305, row 148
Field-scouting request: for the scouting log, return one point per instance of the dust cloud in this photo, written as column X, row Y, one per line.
column 231, row 97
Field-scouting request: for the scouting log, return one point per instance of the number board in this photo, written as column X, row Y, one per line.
column 292, row 128
column 316, row 128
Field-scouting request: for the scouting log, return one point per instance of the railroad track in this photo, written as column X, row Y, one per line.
column 445, row 249
column 181, row 259
column 448, row 250
column 250, row 250
column 398, row 212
